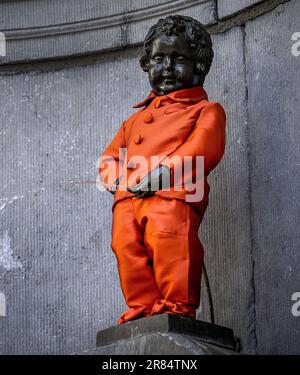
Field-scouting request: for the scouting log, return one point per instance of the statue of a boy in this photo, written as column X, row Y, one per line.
column 155, row 224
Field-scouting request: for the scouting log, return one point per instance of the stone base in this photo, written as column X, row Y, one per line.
column 166, row 334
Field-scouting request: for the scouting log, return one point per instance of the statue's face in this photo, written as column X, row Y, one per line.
column 171, row 64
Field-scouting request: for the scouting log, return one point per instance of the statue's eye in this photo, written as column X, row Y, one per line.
column 158, row 59
column 181, row 58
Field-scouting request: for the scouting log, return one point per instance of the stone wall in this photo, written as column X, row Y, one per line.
column 69, row 79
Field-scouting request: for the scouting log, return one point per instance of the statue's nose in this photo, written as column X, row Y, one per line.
column 168, row 63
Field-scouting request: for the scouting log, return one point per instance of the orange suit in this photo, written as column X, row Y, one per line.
column 155, row 239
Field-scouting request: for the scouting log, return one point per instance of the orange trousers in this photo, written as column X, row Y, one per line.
column 159, row 256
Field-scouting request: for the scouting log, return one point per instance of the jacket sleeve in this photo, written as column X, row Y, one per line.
column 112, row 159
column 207, row 138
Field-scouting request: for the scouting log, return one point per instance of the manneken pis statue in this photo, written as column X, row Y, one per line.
column 157, row 166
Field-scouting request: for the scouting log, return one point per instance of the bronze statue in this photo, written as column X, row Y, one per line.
column 172, row 142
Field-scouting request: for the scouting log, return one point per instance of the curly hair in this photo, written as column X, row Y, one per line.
column 196, row 35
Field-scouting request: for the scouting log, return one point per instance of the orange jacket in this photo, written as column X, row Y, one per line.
column 182, row 123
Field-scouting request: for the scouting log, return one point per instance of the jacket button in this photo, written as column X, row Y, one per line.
column 138, row 139
column 148, row 117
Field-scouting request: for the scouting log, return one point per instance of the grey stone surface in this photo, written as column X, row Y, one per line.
column 112, row 25
column 40, row 13
column 228, row 8
column 273, row 86
column 159, row 344
column 166, row 323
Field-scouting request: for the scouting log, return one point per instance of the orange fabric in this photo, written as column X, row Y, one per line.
column 155, row 239
column 159, row 256
column 182, row 123
column 179, row 308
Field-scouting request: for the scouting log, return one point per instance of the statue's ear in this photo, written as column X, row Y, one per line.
column 196, row 78
column 199, row 74
column 200, row 68
column 143, row 64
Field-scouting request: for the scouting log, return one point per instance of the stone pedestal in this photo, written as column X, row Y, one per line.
column 167, row 334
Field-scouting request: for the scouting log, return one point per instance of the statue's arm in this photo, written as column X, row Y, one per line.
column 206, row 139
column 111, row 161
column 113, row 187
column 157, row 179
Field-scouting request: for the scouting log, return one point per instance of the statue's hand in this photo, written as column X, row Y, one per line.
column 155, row 180
column 113, row 187
column 143, row 188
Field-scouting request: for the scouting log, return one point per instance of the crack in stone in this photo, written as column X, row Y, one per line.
column 252, row 336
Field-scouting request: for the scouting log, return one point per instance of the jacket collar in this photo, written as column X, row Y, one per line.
column 190, row 95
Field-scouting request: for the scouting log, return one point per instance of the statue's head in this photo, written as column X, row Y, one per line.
column 177, row 54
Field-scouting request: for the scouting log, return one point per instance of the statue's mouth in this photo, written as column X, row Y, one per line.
column 169, row 80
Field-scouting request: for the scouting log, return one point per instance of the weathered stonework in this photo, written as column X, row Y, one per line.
column 57, row 272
